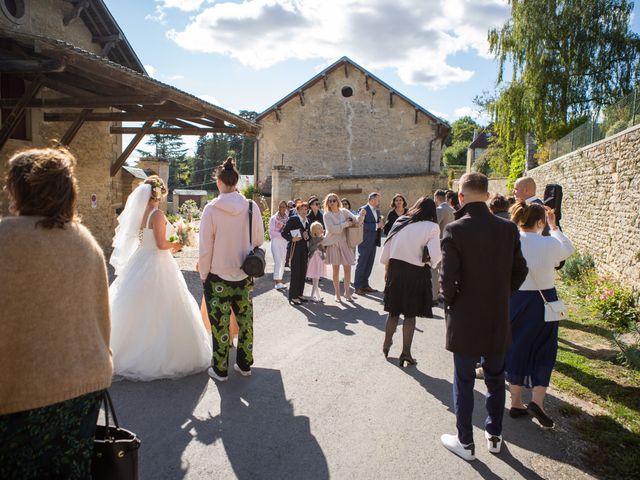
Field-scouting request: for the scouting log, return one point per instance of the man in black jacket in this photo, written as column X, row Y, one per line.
column 482, row 265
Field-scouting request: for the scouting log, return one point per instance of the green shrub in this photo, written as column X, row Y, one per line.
column 516, row 169
column 629, row 349
column 577, row 267
column 248, row 191
column 190, row 210
column 618, row 306
column 266, row 216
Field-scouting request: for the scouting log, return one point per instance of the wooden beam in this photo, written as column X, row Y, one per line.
column 301, row 95
column 324, row 80
column 83, row 102
column 130, row 148
column 140, row 116
column 391, row 99
column 31, row 66
column 346, row 70
column 107, row 38
column 79, row 6
column 366, row 82
column 278, row 114
column 17, row 112
column 415, row 120
column 75, row 127
column 107, row 47
column 191, row 130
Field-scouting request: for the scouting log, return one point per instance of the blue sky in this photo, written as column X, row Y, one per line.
column 249, row 54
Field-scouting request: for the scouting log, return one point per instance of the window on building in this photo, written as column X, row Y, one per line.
column 347, row 91
column 11, row 87
column 14, row 10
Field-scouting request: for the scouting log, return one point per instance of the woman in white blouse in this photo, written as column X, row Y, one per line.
column 532, row 356
column 338, row 253
column 407, row 288
column 278, row 243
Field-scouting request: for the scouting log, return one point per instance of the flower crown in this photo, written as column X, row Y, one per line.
column 157, row 189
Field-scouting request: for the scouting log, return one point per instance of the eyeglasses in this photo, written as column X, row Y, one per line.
column 332, row 200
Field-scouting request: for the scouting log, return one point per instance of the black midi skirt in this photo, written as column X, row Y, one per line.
column 407, row 290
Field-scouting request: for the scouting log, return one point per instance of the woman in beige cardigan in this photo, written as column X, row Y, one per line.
column 338, row 253
column 54, row 336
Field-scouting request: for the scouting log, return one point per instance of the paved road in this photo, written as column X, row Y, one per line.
column 324, row 403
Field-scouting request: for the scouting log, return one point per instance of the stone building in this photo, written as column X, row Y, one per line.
column 347, row 131
column 68, row 75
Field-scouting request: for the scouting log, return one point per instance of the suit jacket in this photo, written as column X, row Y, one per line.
column 371, row 234
column 446, row 215
column 482, row 265
column 295, row 223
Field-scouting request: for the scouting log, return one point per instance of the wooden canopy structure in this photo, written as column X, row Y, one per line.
column 90, row 82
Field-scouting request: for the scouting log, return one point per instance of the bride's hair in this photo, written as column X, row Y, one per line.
column 227, row 172
column 158, row 189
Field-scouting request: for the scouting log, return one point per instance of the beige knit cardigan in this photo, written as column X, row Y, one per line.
column 54, row 315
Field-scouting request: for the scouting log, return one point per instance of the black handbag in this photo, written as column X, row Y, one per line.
column 255, row 263
column 426, row 256
column 115, row 449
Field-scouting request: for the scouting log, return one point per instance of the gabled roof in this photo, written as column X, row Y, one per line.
column 481, row 141
column 102, row 25
column 337, row 65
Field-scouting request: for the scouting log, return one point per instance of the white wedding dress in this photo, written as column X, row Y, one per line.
column 157, row 330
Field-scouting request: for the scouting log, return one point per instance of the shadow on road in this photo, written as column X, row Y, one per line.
column 522, row 432
column 261, row 434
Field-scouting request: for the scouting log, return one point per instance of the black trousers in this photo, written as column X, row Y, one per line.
column 298, row 264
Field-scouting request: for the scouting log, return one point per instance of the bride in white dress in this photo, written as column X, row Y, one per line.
column 157, row 329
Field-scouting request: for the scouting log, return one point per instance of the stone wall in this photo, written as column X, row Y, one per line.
column 496, row 185
column 356, row 190
column 600, row 209
column 360, row 135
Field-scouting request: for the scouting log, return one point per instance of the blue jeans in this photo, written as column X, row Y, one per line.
column 464, row 379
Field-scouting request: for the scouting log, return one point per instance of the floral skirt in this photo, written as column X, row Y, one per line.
column 55, row 441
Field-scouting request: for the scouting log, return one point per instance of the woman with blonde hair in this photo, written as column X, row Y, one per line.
column 532, row 356
column 55, row 361
column 157, row 326
column 338, row 253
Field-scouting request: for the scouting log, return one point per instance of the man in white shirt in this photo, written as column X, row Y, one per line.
column 445, row 214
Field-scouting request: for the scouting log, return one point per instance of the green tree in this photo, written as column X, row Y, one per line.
column 567, row 58
column 461, row 136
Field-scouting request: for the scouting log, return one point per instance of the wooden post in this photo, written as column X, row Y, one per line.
column 301, row 95
column 130, row 148
column 75, row 127
column 391, row 99
column 18, row 111
column 324, row 80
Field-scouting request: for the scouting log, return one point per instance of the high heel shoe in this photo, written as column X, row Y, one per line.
column 406, row 358
column 385, row 350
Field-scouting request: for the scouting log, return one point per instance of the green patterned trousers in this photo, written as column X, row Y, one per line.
column 222, row 297
column 52, row 442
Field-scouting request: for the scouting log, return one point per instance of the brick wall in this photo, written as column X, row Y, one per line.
column 601, row 205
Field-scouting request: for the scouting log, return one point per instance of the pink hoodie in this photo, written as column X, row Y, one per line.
column 224, row 235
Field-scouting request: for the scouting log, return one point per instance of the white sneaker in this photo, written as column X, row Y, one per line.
column 215, row 376
column 244, row 373
column 280, row 286
column 494, row 442
column 451, row 443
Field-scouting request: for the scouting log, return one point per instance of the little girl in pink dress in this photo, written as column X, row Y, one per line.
column 316, row 267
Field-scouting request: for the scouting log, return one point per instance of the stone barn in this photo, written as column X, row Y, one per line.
column 347, row 131
column 68, row 75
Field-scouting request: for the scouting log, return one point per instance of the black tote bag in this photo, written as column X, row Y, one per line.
column 115, row 449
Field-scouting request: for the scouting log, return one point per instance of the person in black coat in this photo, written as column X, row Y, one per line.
column 482, row 265
column 315, row 212
column 398, row 208
column 296, row 232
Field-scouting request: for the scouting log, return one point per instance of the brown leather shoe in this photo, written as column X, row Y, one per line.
column 369, row 289
column 360, row 291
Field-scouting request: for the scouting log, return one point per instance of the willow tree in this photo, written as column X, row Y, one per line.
column 567, row 59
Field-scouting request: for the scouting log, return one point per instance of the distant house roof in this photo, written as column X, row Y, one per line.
column 197, row 193
column 481, row 141
column 333, row 67
column 136, row 172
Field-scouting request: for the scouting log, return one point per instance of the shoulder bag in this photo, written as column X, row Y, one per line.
column 254, row 264
column 553, row 311
column 355, row 234
column 115, row 449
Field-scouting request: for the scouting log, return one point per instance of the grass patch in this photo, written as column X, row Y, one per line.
column 587, row 369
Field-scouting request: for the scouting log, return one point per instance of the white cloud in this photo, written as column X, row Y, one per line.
column 439, row 114
column 151, row 70
column 477, row 115
column 415, row 37
column 159, row 14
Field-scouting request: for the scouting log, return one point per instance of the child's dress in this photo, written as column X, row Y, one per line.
column 316, row 267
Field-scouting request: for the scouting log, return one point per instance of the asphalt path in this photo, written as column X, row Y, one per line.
column 323, row 402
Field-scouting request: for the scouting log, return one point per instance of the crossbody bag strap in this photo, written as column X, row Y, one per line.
column 250, row 223
column 536, row 284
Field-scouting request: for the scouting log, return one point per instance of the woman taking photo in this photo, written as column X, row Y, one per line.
column 224, row 244
column 398, row 208
column 407, row 272
column 296, row 232
column 338, row 253
column 278, row 243
column 54, row 335
column 532, row 355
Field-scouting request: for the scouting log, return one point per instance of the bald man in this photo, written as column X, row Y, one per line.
column 525, row 189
